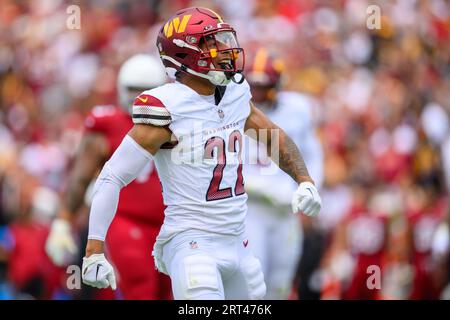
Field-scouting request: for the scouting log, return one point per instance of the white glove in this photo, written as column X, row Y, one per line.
column 60, row 245
column 306, row 199
column 98, row 272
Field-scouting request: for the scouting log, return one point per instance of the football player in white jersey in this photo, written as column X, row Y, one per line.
column 275, row 233
column 193, row 130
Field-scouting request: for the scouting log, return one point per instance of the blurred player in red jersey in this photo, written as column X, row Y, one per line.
column 424, row 219
column 140, row 211
column 366, row 238
column 358, row 243
column 28, row 270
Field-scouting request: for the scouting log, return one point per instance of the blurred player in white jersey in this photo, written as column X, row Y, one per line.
column 193, row 129
column 275, row 232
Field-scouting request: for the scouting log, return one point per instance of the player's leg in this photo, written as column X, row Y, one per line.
column 192, row 268
column 247, row 281
column 285, row 250
column 129, row 246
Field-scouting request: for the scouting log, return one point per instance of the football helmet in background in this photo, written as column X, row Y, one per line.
column 139, row 73
column 264, row 73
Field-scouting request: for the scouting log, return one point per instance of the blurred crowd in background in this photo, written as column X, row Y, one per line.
column 382, row 114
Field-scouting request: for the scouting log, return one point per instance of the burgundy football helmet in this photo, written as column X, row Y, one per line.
column 264, row 69
column 264, row 73
column 190, row 41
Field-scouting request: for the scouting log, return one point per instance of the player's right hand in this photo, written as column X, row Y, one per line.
column 306, row 199
column 60, row 245
column 98, row 272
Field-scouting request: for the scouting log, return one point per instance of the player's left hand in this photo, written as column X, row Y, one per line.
column 306, row 199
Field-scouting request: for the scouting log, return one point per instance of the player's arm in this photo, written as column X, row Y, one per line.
column 60, row 245
column 122, row 168
column 280, row 146
column 149, row 133
column 287, row 156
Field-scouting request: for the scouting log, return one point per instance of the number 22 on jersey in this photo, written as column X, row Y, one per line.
column 214, row 192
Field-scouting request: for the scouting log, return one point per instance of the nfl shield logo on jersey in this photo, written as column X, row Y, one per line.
column 193, row 244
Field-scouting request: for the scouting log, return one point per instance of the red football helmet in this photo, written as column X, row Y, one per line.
column 193, row 38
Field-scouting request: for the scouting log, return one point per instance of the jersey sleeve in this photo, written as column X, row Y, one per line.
column 148, row 109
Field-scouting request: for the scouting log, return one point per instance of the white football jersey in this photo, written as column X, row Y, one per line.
column 201, row 175
column 293, row 114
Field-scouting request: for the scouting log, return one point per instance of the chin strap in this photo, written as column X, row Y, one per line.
column 217, row 78
column 184, row 68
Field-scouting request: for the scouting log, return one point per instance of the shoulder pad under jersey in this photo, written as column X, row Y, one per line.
column 147, row 109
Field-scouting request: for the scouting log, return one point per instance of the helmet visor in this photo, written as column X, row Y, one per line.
column 226, row 39
column 221, row 52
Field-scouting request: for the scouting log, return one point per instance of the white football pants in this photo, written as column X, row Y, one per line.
column 206, row 266
column 277, row 242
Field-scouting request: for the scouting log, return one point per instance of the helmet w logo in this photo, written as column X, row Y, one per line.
column 176, row 25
